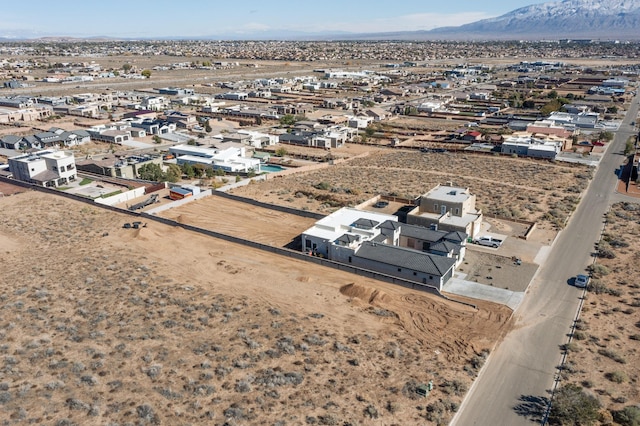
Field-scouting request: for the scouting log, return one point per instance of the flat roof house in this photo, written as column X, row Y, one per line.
column 448, row 208
column 378, row 242
column 45, row 168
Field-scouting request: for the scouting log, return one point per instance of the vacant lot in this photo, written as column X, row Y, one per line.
column 604, row 356
column 242, row 220
column 509, row 187
column 100, row 324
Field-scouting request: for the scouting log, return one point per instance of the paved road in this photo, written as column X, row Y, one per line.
column 514, row 386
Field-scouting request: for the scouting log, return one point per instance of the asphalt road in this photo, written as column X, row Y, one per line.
column 514, row 386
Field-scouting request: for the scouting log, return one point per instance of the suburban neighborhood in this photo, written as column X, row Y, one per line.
column 320, row 225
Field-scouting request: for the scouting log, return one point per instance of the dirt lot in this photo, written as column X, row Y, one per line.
column 241, row 220
column 101, row 324
column 508, row 187
column 604, row 355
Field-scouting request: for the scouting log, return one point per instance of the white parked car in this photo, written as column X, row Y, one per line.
column 488, row 241
column 582, row 281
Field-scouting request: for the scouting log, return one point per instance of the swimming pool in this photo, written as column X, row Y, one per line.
column 270, row 168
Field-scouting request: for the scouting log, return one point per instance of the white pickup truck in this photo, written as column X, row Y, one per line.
column 488, row 241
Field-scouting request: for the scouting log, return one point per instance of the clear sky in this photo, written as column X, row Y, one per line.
column 193, row 18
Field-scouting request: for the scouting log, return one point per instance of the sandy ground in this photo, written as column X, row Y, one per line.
column 102, row 324
column 240, row 219
column 604, row 356
column 507, row 187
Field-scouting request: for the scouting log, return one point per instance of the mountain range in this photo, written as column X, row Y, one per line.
column 567, row 19
column 555, row 20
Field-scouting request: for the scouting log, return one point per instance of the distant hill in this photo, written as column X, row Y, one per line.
column 567, row 19
column 574, row 19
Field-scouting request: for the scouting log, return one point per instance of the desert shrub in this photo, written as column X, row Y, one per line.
column 570, row 347
column 371, row 411
column 579, row 335
column 597, row 270
column 454, row 387
column 617, row 376
column 597, row 287
column 147, row 414
column 628, row 416
column 243, row 386
column 322, row 185
column 315, row 340
column 571, row 405
column 609, row 353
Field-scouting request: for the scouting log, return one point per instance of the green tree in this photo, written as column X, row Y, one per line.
column 606, row 136
column 207, row 127
column 126, row 67
column 152, row 172
column 199, row 170
column 369, row 131
column 146, row 73
column 209, row 172
column 173, row 173
column 550, row 107
column 552, row 94
column 287, row 120
column 281, row 152
column 187, row 169
column 156, row 139
column 572, row 406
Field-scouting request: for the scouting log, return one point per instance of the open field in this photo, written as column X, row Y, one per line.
column 604, row 355
column 100, row 324
column 241, row 220
column 508, row 187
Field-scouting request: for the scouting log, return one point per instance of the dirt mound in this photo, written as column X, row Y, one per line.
column 368, row 294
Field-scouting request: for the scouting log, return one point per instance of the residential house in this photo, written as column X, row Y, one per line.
column 532, row 147
column 378, row 242
column 448, row 208
column 51, row 168
column 117, row 166
column 232, row 159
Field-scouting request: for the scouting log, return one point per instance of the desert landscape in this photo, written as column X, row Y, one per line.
column 603, row 356
column 516, row 188
column 106, row 325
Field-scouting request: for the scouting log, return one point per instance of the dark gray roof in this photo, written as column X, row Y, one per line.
column 457, row 236
column 422, row 233
column 363, row 223
column 81, row 133
column 390, row 224
column 444, row 247
column 12, row 139
column 405, row 258
column 348, row 238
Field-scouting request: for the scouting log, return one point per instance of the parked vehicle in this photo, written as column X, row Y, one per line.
column 582, row 281
column 488, row 241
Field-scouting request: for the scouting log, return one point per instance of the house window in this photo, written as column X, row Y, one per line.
column 349, row 259
column 415, row 273
column 399, row 269
column 430, row 277
column 457, row 211
column 435, row 208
